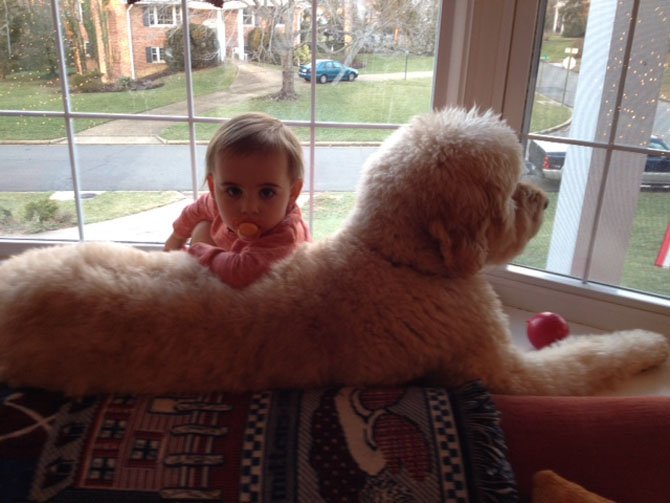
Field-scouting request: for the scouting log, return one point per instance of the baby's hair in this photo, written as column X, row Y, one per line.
column 253, row 133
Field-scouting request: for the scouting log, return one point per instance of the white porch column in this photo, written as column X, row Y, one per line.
column 221, row 34
column 597, row 89
column 242, row 53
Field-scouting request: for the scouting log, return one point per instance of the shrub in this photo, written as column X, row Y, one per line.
column 90, row 82
column 303, row 54
column 43, row 211
column 204, row 47
column 258, row 44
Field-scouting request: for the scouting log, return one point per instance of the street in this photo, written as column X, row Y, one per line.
column 118, row 167
column 148, row 167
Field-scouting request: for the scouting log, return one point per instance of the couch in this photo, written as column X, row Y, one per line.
column 331, row 445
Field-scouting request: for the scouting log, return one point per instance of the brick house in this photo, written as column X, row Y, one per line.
column 132, row 37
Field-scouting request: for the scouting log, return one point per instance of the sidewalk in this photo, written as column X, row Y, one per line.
column 152, row 226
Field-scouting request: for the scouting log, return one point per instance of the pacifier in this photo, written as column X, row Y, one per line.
column 247, row 230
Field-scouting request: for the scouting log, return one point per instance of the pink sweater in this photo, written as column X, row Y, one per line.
column 237, row 262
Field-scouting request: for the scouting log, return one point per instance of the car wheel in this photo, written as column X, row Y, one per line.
column 306, row 79
column 351, row 77
column 323, row 79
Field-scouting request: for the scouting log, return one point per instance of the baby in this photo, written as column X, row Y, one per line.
column 249, row 219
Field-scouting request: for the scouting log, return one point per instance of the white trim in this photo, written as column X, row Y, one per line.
column 452, row 44
column 599, row 306
column 131, row 47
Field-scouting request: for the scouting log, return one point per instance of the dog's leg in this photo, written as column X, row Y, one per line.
column 580, row 365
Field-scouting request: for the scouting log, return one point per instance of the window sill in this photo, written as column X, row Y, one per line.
column 599, row 306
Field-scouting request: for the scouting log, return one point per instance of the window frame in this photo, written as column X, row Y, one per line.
column 156, row 12
column 466, row 32
column 157, row 55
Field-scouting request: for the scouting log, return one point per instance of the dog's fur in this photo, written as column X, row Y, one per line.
column 395, row 296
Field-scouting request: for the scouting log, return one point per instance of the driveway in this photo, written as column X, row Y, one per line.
column 252, row 81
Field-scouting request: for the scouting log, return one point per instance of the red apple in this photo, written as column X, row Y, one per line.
column 546, row 328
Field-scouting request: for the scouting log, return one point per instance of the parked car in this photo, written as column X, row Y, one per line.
column 549, row 157
column 328, row 70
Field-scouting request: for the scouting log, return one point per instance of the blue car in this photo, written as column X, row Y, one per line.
column 328, row 70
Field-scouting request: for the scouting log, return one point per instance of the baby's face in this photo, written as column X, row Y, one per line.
column 253, row 189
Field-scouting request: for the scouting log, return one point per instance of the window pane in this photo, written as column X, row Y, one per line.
column 32, row 175
column 611, row 216
column 383, row 59
column 151, row 180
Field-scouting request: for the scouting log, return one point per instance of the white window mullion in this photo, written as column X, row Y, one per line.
column 596, row 193
column 188, row 74
column 67, row 109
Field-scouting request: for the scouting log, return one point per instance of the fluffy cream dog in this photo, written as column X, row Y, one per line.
column 395, row 296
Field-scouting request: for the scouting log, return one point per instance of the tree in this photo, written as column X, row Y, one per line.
column 285, row 47
column 275, row 39
column 74, row 35
column 573, row 14
column 12, row 18
column 37, row 48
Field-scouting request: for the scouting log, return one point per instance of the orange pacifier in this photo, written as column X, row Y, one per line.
column 247, row 230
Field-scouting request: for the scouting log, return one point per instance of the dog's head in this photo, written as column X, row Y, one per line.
column 443, row 195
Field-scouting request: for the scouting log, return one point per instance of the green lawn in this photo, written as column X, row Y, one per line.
column 649, row 226
column 330, row 211
column 640, row 273
column 395, row 62
column 21, row 92
column 30, row 212
column 385, row 101
column 548, row 114
column 365, row 102
column 553, row 47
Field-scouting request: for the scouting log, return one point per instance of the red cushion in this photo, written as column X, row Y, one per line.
column 618, row 447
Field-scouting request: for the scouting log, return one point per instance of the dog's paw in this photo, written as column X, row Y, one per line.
column 656, row 349
column 531, row 198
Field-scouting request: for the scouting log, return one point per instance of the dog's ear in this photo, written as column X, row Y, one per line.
column 464, row 248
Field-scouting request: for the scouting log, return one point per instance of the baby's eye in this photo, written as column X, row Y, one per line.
column 233, row 192
column 267, row 193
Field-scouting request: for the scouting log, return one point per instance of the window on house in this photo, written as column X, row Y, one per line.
column 592, row 125
column 162, row 15
column 155, row 55
column 248, row 17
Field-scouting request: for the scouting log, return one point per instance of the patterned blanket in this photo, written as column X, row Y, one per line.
column 330, row 445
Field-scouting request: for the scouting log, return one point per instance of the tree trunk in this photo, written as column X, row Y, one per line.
column 288, row 75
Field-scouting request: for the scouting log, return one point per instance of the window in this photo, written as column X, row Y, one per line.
column 155, row 55
column 72, row 176
column 248, row 17
column 162, row 15
column 597, row 110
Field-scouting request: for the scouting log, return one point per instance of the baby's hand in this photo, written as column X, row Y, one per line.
column 174, row 242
